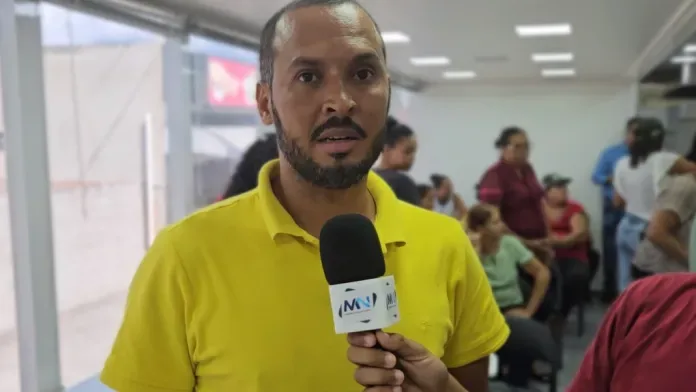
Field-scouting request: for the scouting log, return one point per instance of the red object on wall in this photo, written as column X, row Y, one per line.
column 231, row 84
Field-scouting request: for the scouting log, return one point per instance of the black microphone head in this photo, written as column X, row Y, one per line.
column 350, row 250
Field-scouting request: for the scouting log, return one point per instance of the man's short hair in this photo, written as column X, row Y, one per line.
column 268, row 34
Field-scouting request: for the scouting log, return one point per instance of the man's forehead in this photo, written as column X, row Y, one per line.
column 313, row 25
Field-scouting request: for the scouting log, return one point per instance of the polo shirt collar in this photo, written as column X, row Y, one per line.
column 278, row 221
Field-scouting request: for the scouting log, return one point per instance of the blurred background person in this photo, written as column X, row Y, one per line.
column 602, row 176
column 427, row 196
column 569, row 238
column 397, row 157
column 638, row 179
column 665, row 247
column 647, row 340
column 503, row 256
column 446, row 200
column 511, row 185
column 245, row 177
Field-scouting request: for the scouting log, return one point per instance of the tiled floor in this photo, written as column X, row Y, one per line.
column 573, row 354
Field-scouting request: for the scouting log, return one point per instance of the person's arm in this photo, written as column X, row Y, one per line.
column 490, row 189
column 579, row 232
column 535, row 268
column 602, row 173
column 618, row 197
column 541, row 276
column 683, row 166
column 152, row 349
column 479, row 329
column 663, row 224
column 459, row 207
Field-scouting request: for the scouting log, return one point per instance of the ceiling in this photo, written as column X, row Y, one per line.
column 609, row 36
column 668, row 72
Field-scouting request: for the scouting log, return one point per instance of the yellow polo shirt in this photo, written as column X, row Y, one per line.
column 233, row 298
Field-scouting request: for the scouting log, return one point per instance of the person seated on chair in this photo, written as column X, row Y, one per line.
column 665, row 246
column 569, row 238
column 501, row 256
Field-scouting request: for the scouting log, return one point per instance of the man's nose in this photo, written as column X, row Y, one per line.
column 339, row 101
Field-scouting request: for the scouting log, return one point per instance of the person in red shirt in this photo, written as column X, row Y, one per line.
column 511, row 185
column 569, row 238
column 647, row 340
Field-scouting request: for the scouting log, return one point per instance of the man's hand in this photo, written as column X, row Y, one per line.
column 400, row 365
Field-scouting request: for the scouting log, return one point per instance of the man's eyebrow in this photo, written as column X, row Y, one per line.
column 365, row 57
column 302, row 61
column 312, row 62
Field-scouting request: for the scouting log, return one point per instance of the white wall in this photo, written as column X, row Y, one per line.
column 568, row 126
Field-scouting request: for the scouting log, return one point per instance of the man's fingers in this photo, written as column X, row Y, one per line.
column 362, row 339
column 402, row 347
column 371, row 357
column 367, row 376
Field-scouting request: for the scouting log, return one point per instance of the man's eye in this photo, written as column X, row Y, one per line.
column 364, row 74
column 307, row 77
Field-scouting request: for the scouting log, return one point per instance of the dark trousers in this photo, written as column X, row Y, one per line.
column 529, row 341
column 574, row 277
column 610, row 221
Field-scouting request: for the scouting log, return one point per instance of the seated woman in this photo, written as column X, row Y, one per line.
column 665, row 247
column 501, row 256
column 569, row 238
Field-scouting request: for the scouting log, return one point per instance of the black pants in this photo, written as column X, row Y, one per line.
column 529, row 341
column 610, row 222
column 574, row 277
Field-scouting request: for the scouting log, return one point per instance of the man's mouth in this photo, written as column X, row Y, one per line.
column 338, row 135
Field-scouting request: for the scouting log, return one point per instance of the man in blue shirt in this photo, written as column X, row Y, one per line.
column 602, row 176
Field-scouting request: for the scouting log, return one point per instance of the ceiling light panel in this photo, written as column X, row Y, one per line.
column 691, row 48
column 683, row 60
column 545, row 30
column 395, row 37
column 430, row 61
column 557, row 72
column 552, row 57
column 459, row 74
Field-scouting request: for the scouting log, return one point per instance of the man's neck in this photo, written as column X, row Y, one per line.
column 311, row 206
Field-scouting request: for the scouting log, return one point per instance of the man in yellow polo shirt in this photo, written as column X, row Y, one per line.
column 233, row 298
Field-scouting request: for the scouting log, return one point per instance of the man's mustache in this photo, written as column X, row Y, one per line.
column 337, row 122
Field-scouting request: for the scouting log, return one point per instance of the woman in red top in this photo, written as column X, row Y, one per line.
column 569, row 238
column 511, row 185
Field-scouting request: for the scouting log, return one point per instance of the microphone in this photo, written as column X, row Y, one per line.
column 362, row 298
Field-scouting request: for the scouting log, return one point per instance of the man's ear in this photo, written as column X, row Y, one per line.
column 263, row 103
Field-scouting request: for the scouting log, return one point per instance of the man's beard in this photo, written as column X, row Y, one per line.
column 341, row 176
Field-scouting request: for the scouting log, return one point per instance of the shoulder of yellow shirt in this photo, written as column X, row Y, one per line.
column 424, row 220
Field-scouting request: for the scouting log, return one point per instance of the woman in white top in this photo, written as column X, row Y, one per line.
column 638, row 179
